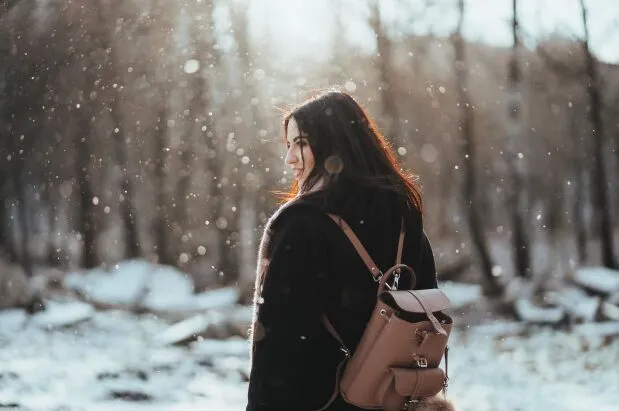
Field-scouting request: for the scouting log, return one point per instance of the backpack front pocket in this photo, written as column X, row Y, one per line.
column 401, row 384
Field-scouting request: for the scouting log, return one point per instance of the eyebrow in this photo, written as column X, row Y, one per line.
column 300, row 137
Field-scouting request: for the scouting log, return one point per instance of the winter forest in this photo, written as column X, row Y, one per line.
column 141, row 145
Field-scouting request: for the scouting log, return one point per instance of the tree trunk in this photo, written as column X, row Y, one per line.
column 446, row 180
column 215, row 158
column 383, row 47
column 580, row 191
column 247, row 213
column 161, row 224
column 84, row 184
column 182, row 188
column 579, row 205
column 22, row 216
column 6, row 241
column 126, row 197
column 228, row 257
column 53, row 254
column 248, row 252
column 131, row 236
column 600, row 185
column 491, row 285
column 516, row 202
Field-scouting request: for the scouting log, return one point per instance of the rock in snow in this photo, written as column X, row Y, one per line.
column 142, row 286
column 120, row 287
column 187, row 330
column 577, row 303
column 599, row 280
column 58, row 315
column 531, row 313
column 460, row 294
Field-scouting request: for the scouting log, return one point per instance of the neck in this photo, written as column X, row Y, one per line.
column 319, row 185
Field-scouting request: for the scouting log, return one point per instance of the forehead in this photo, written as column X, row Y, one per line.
column 293, row 129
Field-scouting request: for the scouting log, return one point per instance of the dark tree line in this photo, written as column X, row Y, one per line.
column 148, row 131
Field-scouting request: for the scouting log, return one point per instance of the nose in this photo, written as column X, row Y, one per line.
column 291, row 158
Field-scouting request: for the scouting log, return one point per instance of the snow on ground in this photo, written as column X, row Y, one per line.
column 114, row 355
column 113, row 362
column 72, row 357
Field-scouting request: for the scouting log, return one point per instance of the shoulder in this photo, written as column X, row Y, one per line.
column 299, row 216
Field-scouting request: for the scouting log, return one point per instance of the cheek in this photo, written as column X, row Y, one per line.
column 309, row 158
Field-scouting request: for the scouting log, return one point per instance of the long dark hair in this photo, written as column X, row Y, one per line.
column 348, row 148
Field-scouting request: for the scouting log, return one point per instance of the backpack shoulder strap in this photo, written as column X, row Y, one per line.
column 398, row 258
column 370, row 264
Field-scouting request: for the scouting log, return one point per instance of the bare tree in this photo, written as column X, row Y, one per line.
column 247, row 189
column 580, row 183
column 26, row 81
column 106, row 41
column 516, row 203
column 384, row 50
column 215, row 154
column 570, row 70
column 84, row 183
column 128, row 214
column 465, row 125
column 600, row 184
column 161, row 223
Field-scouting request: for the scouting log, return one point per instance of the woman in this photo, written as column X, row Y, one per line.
column 307, row 266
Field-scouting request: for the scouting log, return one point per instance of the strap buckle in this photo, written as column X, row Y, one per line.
column 409, row 404
column 396, row 280
column 420, row 361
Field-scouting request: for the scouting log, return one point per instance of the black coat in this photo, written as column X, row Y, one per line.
column 314, row 269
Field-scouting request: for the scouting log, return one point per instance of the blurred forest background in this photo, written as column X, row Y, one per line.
column 152, row 129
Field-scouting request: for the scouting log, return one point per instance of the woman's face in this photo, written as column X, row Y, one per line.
column 299, row 155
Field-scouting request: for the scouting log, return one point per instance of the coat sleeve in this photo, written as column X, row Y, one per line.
column 289, row 314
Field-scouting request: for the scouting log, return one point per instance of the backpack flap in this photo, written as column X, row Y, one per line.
column 409, row 304
column 411, row 301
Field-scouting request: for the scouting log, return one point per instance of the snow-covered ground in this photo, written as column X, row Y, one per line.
column 74, row 357
column 113, row 362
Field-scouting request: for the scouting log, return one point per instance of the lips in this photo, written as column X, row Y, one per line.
column 298, row 172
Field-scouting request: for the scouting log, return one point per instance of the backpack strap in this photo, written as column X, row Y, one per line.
column 426, row 307
column 340, row 366
column 370, row 264
column 378, row 277
column 398, row 258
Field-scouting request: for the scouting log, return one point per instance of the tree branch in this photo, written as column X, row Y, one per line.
column 558, row 66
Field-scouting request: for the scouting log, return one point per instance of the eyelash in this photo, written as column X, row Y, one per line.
column 300, row 143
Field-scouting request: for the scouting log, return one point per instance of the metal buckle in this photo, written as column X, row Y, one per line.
column 396, row 280
column 379, row 277
column 420, row 362
column 408, row 404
